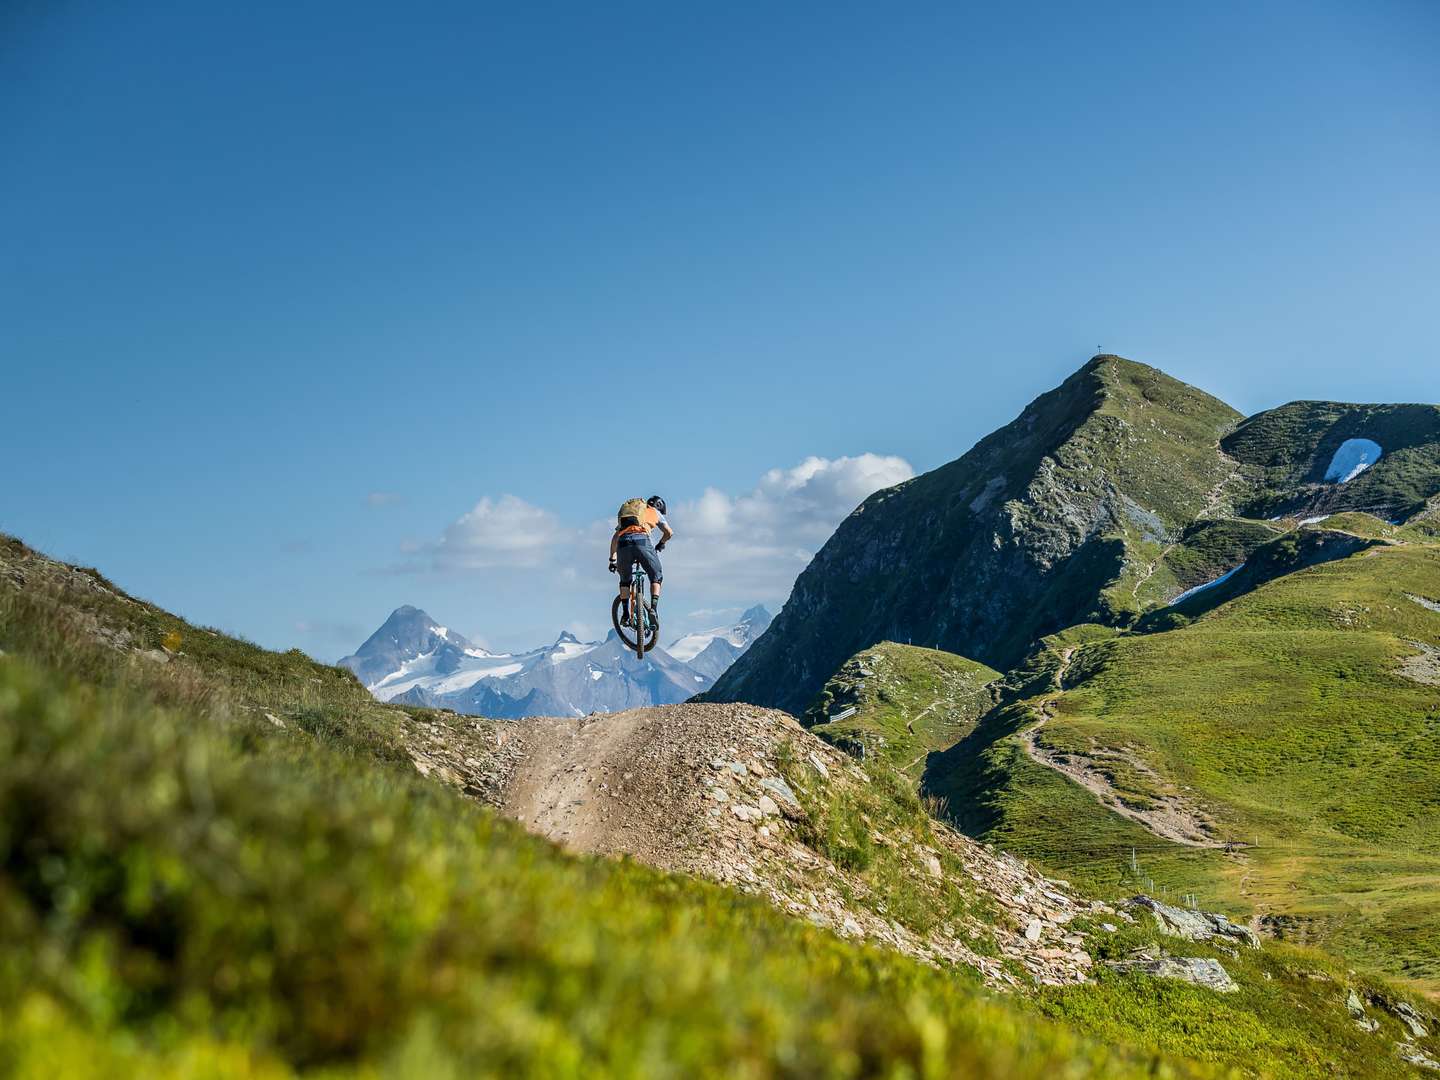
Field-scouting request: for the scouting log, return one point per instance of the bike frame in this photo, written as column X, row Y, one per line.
column 640, row 607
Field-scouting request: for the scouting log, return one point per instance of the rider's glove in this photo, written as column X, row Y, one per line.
column 660, row 546
column 614, row 567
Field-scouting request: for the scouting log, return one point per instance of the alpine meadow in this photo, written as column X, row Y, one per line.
column 719, row 542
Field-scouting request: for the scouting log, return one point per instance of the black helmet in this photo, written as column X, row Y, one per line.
column 656, row 502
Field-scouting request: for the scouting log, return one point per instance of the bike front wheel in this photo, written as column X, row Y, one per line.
column 628, row 629
column 651, row 631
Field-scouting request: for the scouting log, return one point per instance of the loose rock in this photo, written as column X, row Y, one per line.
column 1194, row 925
column 1413, row 1055
column 1197, row 970
column 779, row 790
column 1407, row 1015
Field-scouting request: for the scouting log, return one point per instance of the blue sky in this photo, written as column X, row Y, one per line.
column 311, row 309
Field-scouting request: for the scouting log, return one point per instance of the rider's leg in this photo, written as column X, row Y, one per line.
column 651, row 561
column 626, row 565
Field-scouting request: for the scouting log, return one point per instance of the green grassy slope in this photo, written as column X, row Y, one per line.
column 189, row 890
column 185, row 905
column 908, row 702
column 1204, row 551
column 1286, row 451
column 1286, row 715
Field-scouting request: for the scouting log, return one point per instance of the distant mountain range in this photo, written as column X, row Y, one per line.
column 413, row 660
column 711, row 652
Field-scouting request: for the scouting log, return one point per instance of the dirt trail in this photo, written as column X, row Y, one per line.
column 1170, row 815
column 600, row 783
column 720, row 791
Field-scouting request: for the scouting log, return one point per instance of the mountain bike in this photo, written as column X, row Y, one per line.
column 641, row 630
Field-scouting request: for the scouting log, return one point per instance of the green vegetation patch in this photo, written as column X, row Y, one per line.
column 903, row 702
column 1286, row 716
column 1286, row 451
column 182, row 900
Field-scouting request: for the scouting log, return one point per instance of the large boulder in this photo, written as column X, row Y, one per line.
column 1198, row 970
column 1194, row 925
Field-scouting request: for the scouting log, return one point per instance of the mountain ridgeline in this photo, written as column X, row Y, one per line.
column 413, row 660
column 1107, row 497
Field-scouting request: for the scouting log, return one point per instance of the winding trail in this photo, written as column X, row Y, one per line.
column 1212, row 502
column 1172, row 817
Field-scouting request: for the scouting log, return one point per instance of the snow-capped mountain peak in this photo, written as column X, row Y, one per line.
column 751, row 625
column 414, row 660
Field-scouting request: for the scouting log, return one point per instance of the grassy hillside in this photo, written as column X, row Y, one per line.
column 1284, row 453
column 194, row 908
column 207, row 886
column 221, row 864
column 1301, row 720
column 1203, row 552
column 1054, row 519
column 908, row 702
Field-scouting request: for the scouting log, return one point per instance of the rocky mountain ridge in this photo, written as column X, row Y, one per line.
column 1105, row 499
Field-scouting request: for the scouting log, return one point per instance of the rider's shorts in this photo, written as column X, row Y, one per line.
column 637, row 549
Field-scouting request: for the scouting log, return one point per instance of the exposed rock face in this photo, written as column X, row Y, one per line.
column 1201, row 971
column 1356, row 1008
column 1410, row 1018
column 1194, row 925
column 1018, row 538
column 1413, row 1055
column 1064, row 515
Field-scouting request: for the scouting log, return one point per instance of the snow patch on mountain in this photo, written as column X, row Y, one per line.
column 1207, row 585
column 1352, row 459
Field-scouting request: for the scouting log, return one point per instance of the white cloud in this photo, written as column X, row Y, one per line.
column 507, row 531
column 755, row 544
column 730, row 550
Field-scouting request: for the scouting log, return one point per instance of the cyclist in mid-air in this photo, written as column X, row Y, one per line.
column 631, row 544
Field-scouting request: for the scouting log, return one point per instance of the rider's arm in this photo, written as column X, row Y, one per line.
column 614, row 544
column 665, row 531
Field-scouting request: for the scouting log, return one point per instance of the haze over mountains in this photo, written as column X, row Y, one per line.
column 413, row 660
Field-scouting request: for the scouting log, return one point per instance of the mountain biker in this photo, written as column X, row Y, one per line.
column 630, row 544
